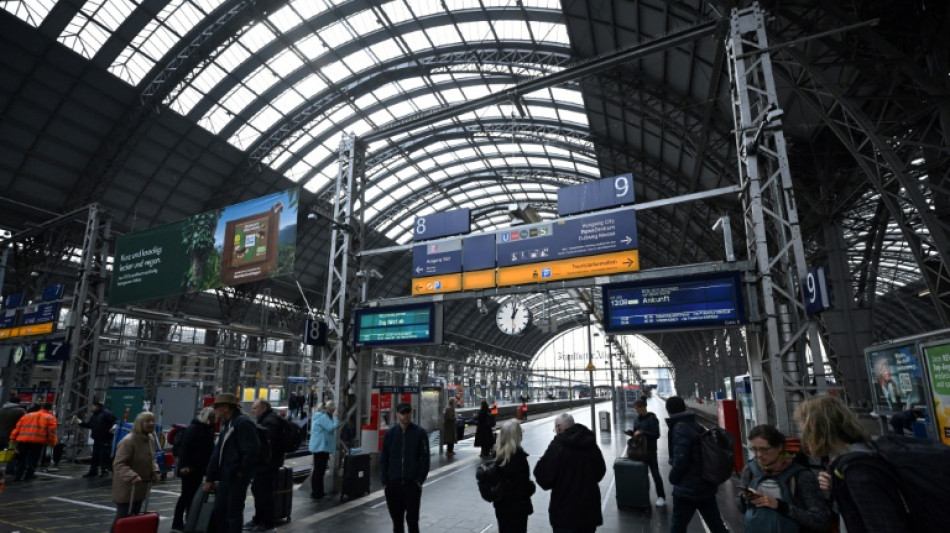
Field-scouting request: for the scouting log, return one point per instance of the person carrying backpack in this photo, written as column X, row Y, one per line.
column 777, row 493
column 691, row 492
column 868, row 498
column 195, row 446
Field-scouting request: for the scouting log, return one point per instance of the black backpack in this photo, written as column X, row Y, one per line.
column 291, row 435
column 175, row 436
column 489, row 479
column 919, row 468
column 717, row 447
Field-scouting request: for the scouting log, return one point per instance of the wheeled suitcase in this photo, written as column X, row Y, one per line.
column 201, row 513
column 355, row 476
column 284, row 495
column 140, row 523
column 633, row 484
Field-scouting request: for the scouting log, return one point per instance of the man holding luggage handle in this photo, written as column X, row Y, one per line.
column 264, row 485
column 648, row 426
column 403, row 467
column 232, row 463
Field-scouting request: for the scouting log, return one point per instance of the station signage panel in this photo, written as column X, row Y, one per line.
column 8, row 318
column 13, row 300
column 444, row 224
column 437, row 284
column 398, row 325
column 478, row 252
column 39, row 314
column 578, row 267
column 482, row 279
column 562, row 239
column 687, row 302
column 53, row 292
column 594, row 195
column 443, row 257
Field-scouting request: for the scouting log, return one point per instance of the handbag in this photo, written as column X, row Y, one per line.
column 7, row 455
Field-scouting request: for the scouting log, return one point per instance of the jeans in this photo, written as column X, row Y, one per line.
column 512, row 522
column 100, row 456
column 403, row 500
column 683, row 511
column 657, row 479
column 320, row 460
column 190, row 484
column 229, row 504
column 28, row 456
column 263, row 488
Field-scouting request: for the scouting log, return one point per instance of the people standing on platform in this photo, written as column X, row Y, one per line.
column 779, row 494
column 403, row 467
column 865, row 500
column 10, row 414
column 134, row 467
column 232, row 462
column 513, row 507
column 903, row 422
column 322, row 444
column 690, row 492
column 100, row 425
column 264, row 484
column 647, row 425
column 194, row 452
column 33, row 432
column 571, row 468
column 484, row 436
column 449, row 428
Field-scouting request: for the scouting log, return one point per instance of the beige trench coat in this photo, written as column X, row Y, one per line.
column 134, row 457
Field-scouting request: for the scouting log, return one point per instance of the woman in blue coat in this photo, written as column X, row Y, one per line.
column 322, row 444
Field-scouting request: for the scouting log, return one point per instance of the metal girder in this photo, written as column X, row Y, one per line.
column 774, row 239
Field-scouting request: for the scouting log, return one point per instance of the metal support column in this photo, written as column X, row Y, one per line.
column 771, row 223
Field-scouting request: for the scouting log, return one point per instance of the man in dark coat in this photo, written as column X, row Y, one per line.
column 690, row 491
column 100, row 425
column 264, row 486
column 648, row 427
column 571, row 469
column 403, row 469
column 194, row 453
column 232, row 463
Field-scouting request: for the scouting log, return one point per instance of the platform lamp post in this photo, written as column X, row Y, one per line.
column 590, row 370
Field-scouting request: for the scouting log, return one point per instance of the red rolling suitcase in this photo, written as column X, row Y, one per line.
column 140, row 523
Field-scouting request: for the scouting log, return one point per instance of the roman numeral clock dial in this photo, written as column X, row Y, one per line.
column 513, row 317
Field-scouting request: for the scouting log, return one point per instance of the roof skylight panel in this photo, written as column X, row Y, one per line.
column 336, row 71
column 362, row 23
column 359, row 127
column 334, row 35
column 359, row 61
column 267, row 117
column 217, row 118
column 30, row 11
column 245, row 136
column 382, row 116
column 187, row 97
column 285, row 63
column 287, row 18
column 256, row 37
column 386, row 50
column 239, row 97
column 131, row 66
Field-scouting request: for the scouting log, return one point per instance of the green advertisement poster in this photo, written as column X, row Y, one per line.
column 125, row 402
column 938, row 364
column 237, row 244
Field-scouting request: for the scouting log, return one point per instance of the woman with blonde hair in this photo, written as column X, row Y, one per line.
column 866, row 500
column 513, row 506
column 134, row 466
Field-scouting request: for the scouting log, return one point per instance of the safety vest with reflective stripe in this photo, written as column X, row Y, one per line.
column 36, row 428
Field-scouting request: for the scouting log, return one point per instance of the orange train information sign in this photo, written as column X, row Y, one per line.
column 576, row 267
column 437, row 284
column 479, row 279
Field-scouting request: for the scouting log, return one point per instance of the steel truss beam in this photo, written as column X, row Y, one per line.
column 777, row 351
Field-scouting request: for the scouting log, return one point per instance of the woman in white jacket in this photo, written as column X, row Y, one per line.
column 322, row 443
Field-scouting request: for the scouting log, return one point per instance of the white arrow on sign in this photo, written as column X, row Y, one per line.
column 628, row 240
column 419, row 269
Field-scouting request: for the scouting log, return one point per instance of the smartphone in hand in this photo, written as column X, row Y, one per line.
column 746, row 493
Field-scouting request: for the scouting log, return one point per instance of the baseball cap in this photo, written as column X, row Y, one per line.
column 403, row 407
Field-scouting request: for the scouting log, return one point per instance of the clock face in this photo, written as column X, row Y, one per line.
column 513, row 317
column 17, row 354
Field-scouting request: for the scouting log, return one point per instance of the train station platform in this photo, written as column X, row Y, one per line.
column 64, row 502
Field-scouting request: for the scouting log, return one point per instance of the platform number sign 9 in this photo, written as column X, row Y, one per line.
column 314, row 332
column 815, row 289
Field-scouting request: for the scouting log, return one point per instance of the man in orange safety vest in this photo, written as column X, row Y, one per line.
column 34, row 432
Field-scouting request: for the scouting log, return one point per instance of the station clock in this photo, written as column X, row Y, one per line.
column 513, row 317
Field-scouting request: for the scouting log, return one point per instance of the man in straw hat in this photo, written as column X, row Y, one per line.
column 232, row 463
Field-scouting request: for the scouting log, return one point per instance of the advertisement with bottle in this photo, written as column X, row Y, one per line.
column 938, row 366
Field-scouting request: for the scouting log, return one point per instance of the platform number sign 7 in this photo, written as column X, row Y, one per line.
column 815, row 291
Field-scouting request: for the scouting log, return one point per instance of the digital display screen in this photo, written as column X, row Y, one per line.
column 687, row 302
column 404, row 324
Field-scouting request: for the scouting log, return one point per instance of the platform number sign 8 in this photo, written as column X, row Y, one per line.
column 815, row 289
column 315, row 332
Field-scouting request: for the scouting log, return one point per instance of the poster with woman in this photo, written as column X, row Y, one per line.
column 938, row 364
column 896, row 378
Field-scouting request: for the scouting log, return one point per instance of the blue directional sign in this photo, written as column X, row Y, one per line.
column 40, row 314
column 13, row 300
column 447, row 223
column 478, row 252
column 53, row 292
column 562, row 239
column 435, row 258
column 707, row 300
column 593, row 195
column 8, row 318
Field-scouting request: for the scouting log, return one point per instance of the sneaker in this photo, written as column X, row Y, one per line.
column 661, row 502
column 250, row 526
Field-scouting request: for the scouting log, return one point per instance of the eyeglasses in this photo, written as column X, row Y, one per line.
column 762, row 449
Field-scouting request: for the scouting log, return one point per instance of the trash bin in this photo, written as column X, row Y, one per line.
column 605, row 420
